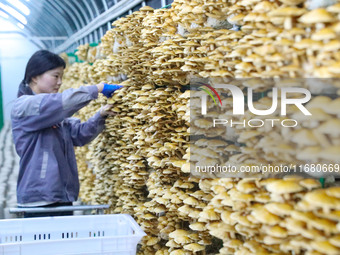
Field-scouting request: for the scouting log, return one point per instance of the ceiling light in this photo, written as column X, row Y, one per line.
column 4, row 15
column 14, row 13
column 20, row 6
column 20, row 25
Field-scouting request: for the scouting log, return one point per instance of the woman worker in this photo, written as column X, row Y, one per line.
column 44, row 133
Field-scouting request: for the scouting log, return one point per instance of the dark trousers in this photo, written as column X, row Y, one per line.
column 31, row 215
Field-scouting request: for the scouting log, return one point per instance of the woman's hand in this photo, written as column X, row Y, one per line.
column 106, row 110
column 108, row 89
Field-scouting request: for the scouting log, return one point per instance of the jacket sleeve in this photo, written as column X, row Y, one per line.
column 85, row 132
column 41, row 111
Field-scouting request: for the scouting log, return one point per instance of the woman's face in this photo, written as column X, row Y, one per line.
column 48, row 82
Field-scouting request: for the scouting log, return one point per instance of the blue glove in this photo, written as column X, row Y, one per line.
column 109, row 89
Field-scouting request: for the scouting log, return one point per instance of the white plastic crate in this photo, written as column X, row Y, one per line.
column 112, row 234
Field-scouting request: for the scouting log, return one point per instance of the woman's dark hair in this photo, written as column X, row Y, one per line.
column 40, row 62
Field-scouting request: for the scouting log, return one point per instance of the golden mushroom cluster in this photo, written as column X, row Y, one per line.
column 197, row 13
column 82, row 52
column 140, row 164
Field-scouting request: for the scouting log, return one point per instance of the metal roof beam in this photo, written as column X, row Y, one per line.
column 104, row 4
column 46, row 38
column 101, row 32
column 103, row 18
column 65, row 10
column 82, row 10
column 96, row 36
column 91, row 11
column 95, row 8
column 97, row 12
column 51, row 9
column 72, row 8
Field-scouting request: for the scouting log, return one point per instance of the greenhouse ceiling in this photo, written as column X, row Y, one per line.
column 63, row 25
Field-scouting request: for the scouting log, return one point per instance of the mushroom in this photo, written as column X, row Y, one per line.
column 234, row 244
column 208, row 214
column 292, row 2
column 333, row 215
column 240, row 196
column 325, row 247
column 331, row 153
column 264, row 216
column 246, row 186
column 284, row 187
column 320, row 199
column 335, row 240
column 198, row 226
column 194, row 247
column 288, row 13
column 309, row 153
column 179, row 252
column 304, row 137
column 172, row 244
column 152, row 241
column 318, row 16
column 276, row 231
column 310, row 184
column 180, row 236
column 330, row 127
column 324, row 34
column 327, row 226
column 270, row 240
column 279, row 209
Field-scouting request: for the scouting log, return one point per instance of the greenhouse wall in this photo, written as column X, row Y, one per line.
column 15, row 50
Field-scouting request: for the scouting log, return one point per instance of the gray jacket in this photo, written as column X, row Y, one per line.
column 44, row 137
